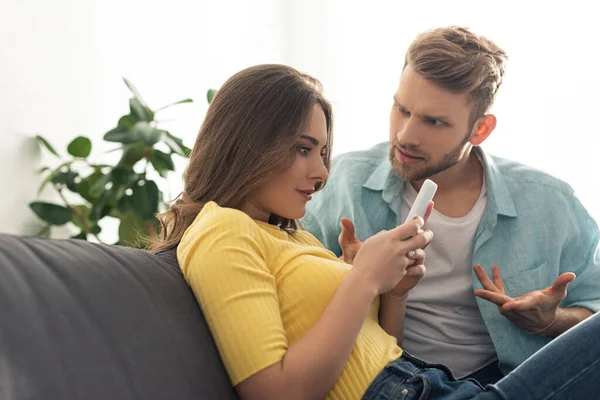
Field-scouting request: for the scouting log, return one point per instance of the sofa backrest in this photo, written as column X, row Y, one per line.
column 80, row 320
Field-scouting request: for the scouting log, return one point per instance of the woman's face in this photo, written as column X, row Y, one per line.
column 286, row 193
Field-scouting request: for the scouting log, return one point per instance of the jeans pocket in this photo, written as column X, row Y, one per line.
column 397, row 381
column 409, row 383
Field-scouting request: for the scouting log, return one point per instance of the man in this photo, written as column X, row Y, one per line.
column 492, row 217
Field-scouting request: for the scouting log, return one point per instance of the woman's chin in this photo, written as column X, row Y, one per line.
column 295, row 214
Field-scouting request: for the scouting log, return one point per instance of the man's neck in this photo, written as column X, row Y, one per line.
column 459, row 187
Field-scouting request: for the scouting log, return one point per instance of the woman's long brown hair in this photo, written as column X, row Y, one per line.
column 250, row 131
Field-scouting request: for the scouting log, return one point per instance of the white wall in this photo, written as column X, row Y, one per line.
column 47, row 86
column 547, row 108
column 62, row 65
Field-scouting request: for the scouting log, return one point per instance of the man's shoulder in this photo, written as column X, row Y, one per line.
column 521, row 177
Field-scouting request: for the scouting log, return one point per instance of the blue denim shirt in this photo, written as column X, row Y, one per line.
column 533, row 228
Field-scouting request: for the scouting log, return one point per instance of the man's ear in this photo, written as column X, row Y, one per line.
column 482, row 128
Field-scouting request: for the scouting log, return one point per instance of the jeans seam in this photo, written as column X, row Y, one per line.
column 554, row 392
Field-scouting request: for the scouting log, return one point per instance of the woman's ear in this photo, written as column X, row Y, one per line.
column 482, row 128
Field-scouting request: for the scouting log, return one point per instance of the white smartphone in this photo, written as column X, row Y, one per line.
column 421, row 203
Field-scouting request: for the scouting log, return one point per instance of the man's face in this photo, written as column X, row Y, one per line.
column 429, row 128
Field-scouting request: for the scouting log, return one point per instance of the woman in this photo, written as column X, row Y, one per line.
column 291, row 320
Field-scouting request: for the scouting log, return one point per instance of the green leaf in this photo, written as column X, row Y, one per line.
column 210, row 94
column 145, row 200
column 147, row 133
column 80, row 212
column 132, row 230
column 47, row 180
column 81, row 219
column 132, row 154
column 117, row 192
column 161, row 161
column 80, row 147
column 134, row 90
column 66, row 178
column 122, row 134
column 140, row 111
column 187, row 151
column 45, row 231
column 100, row 185
column 43, row 169
column 174, row 104
column 51, row 213
column 52, row 175
column 48, row 146
column 125, row 204
column 123, row 176
column 84, row 187
column 101, row 209
column 175, row 144
column 127, row 121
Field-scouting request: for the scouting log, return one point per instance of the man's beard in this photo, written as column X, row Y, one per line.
column 412, row 173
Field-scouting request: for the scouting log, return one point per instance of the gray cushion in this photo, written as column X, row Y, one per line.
column 87, row 321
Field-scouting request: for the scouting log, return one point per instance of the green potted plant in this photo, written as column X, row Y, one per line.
column 90, row 191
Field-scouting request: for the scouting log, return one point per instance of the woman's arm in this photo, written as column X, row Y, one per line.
column 392, row 307
column 311, row 366
column 392, row 312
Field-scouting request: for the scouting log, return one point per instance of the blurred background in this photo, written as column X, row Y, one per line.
column 63, row 61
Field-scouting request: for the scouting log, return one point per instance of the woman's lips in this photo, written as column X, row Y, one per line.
column 305, row 195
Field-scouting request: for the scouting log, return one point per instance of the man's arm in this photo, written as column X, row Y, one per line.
column 537, row 312
column 554, row 310
column 566, row 318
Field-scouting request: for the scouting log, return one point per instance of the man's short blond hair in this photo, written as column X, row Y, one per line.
column 458, row 60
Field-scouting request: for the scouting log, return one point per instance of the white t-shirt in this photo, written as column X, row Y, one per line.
column 443, row 324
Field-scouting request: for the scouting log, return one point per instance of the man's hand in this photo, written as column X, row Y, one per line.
column 414, row 273
column 350, row 245
column 348, row 241
column 535, row 311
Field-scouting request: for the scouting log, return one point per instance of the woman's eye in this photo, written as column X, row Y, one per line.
column 304, row 150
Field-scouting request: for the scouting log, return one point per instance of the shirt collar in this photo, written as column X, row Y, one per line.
column 499, row 197
column 384, row 179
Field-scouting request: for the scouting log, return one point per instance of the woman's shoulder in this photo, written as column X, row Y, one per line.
column 220, row 222
column 215, row 231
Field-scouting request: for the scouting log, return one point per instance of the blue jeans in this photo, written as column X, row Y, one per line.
column 487, row 375
column 566, row 368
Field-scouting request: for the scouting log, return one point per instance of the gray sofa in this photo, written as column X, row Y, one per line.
column 86, row 321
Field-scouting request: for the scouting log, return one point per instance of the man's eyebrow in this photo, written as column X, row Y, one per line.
column 311, row 139
column 440, row 117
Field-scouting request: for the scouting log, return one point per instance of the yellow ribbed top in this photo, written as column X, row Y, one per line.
column 261, row 289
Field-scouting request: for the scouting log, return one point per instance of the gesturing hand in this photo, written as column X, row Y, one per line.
column 348, row 241
column 350, row 244
column 534, row 311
